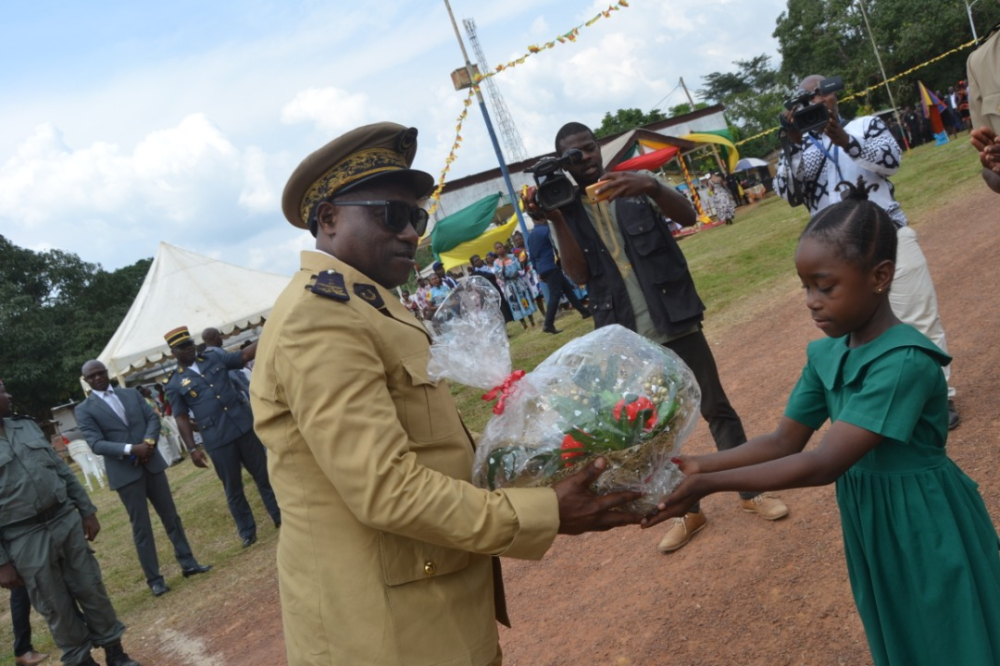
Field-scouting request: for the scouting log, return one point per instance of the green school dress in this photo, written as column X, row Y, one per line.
column 922, row 553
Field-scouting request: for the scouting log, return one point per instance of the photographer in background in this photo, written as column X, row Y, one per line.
column 616, row 241
column 817, row 159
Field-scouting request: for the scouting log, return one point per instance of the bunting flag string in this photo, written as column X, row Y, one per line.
column 436, row 194
column 877, row 85
column 561, row 39
column 533, row 49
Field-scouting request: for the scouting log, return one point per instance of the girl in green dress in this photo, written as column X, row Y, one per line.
column 922, row 552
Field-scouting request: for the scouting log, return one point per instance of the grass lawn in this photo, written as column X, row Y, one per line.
column 734, row 267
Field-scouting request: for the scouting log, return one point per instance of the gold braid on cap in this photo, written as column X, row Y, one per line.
column 352, row 168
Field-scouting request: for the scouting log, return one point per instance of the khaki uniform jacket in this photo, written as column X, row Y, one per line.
column 984, row 84
column 384, row 555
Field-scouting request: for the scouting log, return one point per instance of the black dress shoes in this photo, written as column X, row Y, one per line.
column 159, row 589
column 196, row 569
column 249, row 541
column 552, row 330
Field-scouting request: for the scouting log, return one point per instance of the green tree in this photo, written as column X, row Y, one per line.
column 829, row 37
column 684, row 108
column 626, row 119
column 56, row 311
column 753, row 97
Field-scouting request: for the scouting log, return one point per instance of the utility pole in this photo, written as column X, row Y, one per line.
column 972, row 24
column 489, row 125
column 895, row 111
column 715, row 151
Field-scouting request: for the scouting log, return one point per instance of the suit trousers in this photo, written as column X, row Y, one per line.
column 20, row 613
column 153, row 488
column 559, row 286
column 912, row 295
column 61, row 574
column 245, row 451
column 723, row 421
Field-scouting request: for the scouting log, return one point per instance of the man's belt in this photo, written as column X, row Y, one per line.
column 40, row 518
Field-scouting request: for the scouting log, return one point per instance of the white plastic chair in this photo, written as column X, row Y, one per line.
column 91, row 465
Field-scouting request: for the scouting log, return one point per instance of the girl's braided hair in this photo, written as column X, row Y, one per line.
column 859, row 230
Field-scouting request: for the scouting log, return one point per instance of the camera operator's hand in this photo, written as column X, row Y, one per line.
column 793, row 134
column 836, row 132
column 615, row 184
column 534, row 210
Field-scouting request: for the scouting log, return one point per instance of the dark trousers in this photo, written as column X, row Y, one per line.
column 64, row 583
column 137, row 496
column 558, row 286
column 20, row 612
column 245, row 451
column 723, row 421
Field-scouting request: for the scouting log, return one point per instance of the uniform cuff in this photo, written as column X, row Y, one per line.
column 128, row 449
column 537, row 511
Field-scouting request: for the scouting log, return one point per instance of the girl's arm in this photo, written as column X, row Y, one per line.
column 842, row 446
column 790, row 437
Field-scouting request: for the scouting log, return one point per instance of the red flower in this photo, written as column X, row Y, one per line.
column 571, row 449
column 640, row 404
column 617, row 411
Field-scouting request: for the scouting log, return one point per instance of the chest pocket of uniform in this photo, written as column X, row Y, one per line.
column 39, row 452
column 406, row 560
column 420, row 406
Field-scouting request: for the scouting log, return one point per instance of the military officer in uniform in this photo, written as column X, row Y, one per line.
column 200, row 385
column 984, row 105
column 46, row 520
column 388, row 552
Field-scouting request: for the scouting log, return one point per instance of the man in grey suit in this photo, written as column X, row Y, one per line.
column 121, row 426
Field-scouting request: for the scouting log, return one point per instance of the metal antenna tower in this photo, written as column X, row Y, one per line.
column 513, row 146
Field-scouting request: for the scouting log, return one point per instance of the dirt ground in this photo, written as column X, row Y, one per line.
column 744, row 591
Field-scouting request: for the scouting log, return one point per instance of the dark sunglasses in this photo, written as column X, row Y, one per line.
column 397, row 214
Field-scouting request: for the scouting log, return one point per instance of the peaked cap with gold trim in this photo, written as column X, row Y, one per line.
column 362, row 155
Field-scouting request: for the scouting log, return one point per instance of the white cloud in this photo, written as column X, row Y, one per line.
column 331, row 109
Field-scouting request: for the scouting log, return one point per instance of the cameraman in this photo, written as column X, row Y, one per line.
column 637, row 276
column 810, row 171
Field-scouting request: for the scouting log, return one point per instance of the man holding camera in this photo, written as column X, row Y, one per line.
column 820, row 152
column 618, row 243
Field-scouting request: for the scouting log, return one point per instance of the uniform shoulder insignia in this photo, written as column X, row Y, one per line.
column 369, row 294
column 330, row 284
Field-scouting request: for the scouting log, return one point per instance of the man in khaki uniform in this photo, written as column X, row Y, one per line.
column 387, row 551
column 983, row 68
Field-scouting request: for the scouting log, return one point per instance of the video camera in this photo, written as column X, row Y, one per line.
column 808, row 117
column 555, row 190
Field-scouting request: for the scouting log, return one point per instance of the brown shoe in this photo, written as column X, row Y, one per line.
column 765, row 506
column 681, row 531
column 30, row 658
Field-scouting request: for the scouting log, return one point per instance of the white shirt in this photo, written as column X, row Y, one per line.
column 872, row 154
column 115, row 403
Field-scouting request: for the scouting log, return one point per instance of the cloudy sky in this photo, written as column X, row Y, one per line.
column 125, row 124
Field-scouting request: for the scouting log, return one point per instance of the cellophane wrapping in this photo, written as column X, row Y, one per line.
column 611, row 393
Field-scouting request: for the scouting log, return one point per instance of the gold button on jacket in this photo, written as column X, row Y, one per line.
column 384, row 554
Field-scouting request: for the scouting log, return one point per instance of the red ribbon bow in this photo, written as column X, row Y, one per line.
column 503, row 391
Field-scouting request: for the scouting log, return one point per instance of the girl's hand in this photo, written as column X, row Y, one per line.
column 687, row 464
column 677, row 504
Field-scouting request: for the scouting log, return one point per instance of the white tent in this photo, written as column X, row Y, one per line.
column 187, row 289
